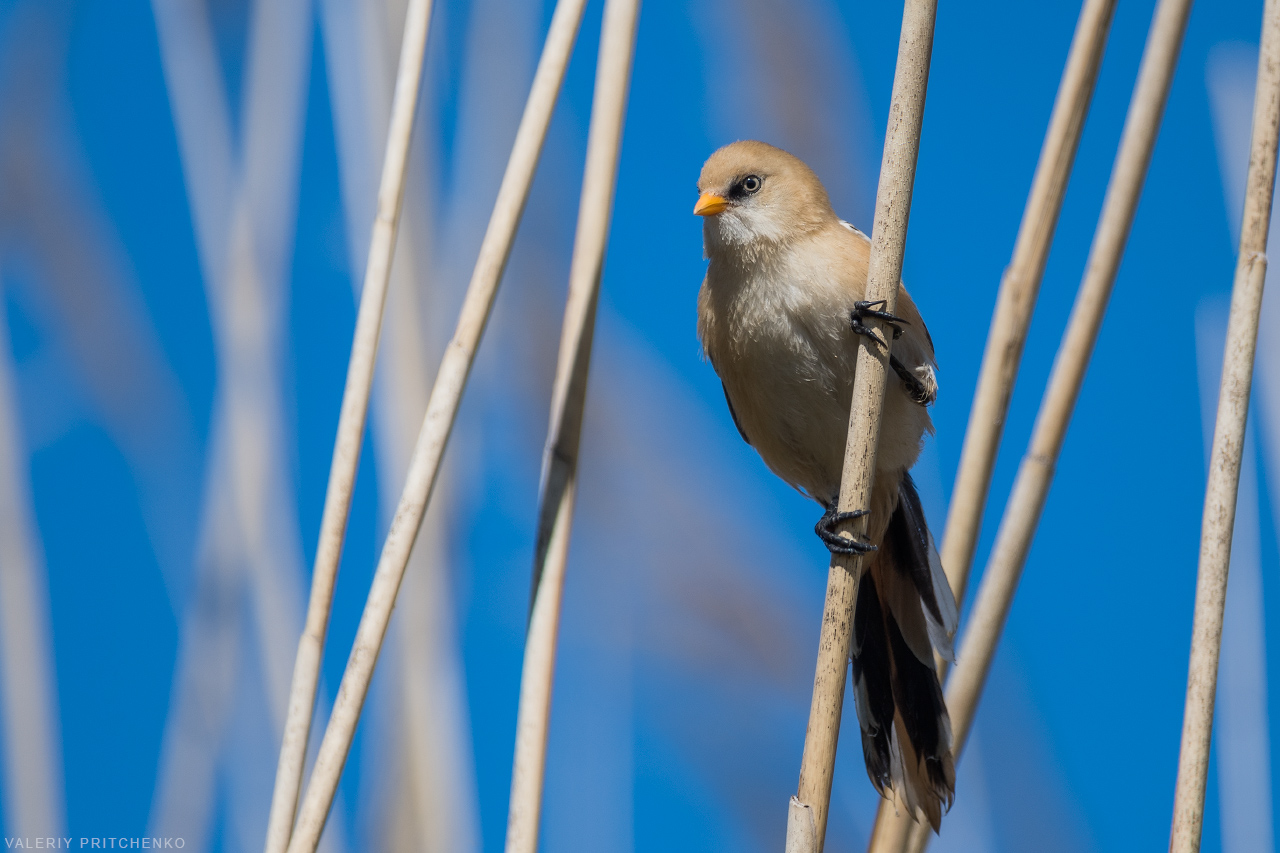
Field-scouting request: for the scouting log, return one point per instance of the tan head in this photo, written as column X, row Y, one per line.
column 754, row 194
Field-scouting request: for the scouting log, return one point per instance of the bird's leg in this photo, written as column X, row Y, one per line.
column 837, row 544
column 863, row 309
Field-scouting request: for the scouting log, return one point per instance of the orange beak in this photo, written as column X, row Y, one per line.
column 709, row 204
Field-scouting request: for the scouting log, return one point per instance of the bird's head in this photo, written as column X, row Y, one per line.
column 754, row 197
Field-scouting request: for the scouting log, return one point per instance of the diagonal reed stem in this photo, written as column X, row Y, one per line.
column 1015, row 303
column 1228, row 446
column 1031, row 487
column 888, row 243
column 351, row 423
column 442, row 408
column 560, row 458
column 1019, row 289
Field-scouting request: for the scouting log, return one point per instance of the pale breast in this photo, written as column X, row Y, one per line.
column 778, row 335
column 780, row 344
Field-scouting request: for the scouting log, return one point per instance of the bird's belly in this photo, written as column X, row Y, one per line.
column 794, row 404
column 795, row 412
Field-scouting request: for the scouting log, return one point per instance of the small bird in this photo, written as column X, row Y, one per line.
column 779, row 316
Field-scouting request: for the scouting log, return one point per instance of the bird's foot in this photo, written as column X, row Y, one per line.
column 863, row 309
column 837, row 544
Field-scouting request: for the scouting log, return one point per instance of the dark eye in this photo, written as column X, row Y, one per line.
column 751, row 183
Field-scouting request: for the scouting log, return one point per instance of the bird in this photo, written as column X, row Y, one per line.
column 780, row 314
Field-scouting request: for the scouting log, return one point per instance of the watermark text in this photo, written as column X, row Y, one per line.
column 99, row 843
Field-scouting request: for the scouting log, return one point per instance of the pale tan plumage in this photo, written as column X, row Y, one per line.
column 774, row 319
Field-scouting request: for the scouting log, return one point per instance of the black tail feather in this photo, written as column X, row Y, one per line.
column 872, row 682
column 890, row 679
column 910, row 540
column 908, row 534
column 918, row 698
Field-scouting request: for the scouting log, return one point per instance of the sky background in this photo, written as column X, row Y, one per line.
column 168, row 568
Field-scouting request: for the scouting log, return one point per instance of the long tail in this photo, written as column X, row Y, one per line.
column 904, row 610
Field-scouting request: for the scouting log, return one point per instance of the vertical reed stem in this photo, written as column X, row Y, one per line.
column 351, row 422
column 888, row 243
column 1031, row 487
column 560, row 459
column 31, row 767
column 442, row 407
column 1014, row 305
column 1228, row 446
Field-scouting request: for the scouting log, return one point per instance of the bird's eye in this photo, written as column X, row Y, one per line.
column 751, row 183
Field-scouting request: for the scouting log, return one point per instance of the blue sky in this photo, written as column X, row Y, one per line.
column 117, row 397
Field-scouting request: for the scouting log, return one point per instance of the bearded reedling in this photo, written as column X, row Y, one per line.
column 779, row 316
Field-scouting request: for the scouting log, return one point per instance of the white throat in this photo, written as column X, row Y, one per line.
column 749, row 234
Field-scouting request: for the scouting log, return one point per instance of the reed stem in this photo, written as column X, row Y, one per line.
column 1015, row 303
column 888, row 243
column 351, row 423
column 560, row 459
column 442, row 408
column 1031, row 487
column 1228, row 446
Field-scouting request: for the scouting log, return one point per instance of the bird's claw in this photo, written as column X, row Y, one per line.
column 863, row 309
column 837, row 544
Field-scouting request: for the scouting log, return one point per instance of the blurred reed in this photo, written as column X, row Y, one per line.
column 441, row 411
column 560, row 458
column 243, row 209
column 1015, row 303
column 1228, row 445
column 807, row 821
column 52, row 219
column 90, row 293
column 32, row 754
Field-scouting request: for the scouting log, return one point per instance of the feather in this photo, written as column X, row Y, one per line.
column 872, row 691
column 923, row 712
column 913, row 543
column 903, row 610
column 942, row 632
column 742, row 432
column 901, row 600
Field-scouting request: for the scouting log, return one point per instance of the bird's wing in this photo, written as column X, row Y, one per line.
column 912, row 354
column 921, row 383
column 742, row 432
column 707, row 333
column 928, row 337
column 854, row 228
